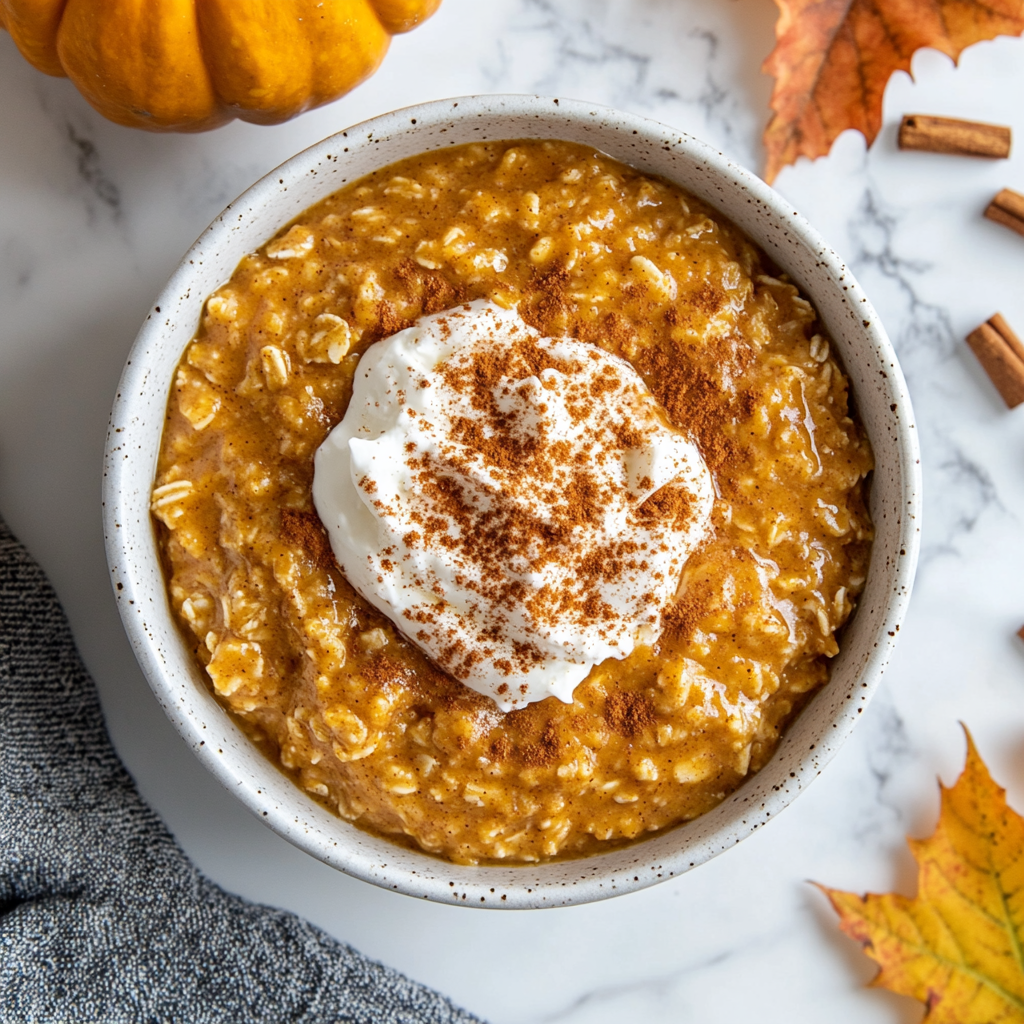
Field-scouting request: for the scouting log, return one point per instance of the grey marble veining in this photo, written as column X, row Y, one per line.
column 94, row 217
column 928, row 347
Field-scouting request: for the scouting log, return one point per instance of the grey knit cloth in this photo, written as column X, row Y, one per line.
column 102, row 916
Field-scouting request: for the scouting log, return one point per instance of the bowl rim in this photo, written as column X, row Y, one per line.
column 132, row 554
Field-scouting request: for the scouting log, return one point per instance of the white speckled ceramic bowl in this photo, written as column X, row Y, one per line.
column 138, row 416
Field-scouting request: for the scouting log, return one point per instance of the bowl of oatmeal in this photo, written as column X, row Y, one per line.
column 512, row 501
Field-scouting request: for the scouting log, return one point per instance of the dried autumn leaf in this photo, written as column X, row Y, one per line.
column 832, row 59
column 959, row 945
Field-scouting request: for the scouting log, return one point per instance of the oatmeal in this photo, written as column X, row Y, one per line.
column 331, row 688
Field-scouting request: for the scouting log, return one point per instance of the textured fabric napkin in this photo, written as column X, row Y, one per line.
column 102, row 916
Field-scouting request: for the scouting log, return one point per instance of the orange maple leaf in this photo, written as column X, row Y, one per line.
column 832, row 59
column 959, row 945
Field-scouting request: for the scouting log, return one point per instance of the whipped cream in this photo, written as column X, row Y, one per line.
column 519, row 506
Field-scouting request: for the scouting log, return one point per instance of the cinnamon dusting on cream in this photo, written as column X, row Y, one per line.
column 538, row 507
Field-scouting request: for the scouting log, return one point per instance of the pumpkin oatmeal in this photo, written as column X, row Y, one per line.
column 575, row 246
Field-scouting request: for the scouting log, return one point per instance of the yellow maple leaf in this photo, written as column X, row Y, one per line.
column 958, row 946
column 832, row 59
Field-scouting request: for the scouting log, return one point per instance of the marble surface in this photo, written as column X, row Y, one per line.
column 93, row 219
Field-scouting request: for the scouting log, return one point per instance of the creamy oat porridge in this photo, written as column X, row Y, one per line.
column 343, row 696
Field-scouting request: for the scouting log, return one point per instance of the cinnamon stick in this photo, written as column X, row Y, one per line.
column 1001, row 355
column 949, row 135
column 998, row 322
column 1008, row 209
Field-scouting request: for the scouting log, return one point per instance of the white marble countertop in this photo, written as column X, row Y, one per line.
column 93, row 219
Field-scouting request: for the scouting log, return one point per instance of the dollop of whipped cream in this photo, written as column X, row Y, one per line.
column 519, row 506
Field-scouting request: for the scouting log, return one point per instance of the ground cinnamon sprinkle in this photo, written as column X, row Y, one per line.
column 381, row 671
column 436, row 291
column 304, row 530
column 679, row 379
column 695, row 400
column 668, row 504
column 531, row 738
column 618, row 331
column 388, row 322
column 629, row 713
column 544, row 751
column 554, row 495
column 708, row 299
column 684, row 615
column 550, row 312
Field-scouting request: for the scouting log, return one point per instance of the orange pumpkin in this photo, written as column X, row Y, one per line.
column 190, row 65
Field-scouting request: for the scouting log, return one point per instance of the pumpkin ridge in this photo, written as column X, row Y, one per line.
column 33, row 26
